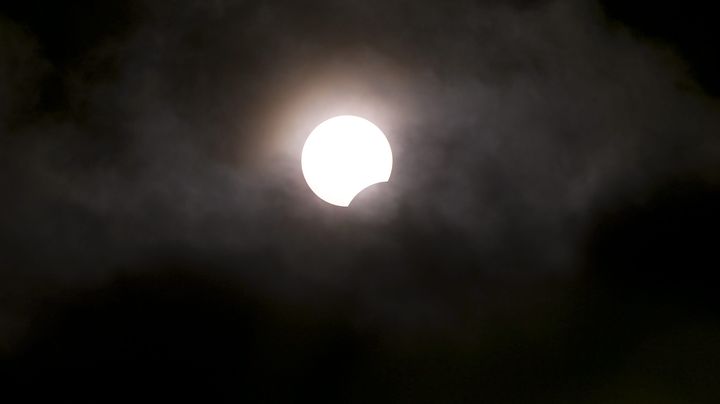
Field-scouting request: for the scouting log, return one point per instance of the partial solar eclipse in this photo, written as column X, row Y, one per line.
column 344, row 155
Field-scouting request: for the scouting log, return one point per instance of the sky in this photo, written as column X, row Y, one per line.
column 548, row 234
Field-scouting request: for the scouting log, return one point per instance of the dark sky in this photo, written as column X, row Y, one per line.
column 550, row 232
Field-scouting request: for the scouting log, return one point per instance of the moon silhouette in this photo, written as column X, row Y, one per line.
column 344, row 155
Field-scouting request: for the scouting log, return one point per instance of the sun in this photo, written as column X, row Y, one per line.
column 344, row 155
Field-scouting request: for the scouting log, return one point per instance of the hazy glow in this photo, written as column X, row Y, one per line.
column 343, row 156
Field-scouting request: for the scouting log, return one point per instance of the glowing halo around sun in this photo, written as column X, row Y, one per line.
column 344, row 155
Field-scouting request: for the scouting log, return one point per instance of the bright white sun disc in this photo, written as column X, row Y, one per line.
column 343, row 156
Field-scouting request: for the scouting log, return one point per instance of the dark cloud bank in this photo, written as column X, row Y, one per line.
column 548, row 233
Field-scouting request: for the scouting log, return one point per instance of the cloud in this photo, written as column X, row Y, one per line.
column 180, row 137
